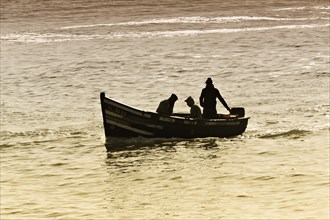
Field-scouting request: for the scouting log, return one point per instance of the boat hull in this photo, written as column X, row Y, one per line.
column 123, row 121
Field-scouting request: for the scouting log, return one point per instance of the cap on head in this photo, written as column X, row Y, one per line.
column 174, row 97
column 209, row 81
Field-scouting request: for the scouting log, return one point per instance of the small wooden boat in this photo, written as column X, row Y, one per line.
column 123, row 121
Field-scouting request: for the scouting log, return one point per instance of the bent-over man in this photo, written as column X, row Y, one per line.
column 166, row 106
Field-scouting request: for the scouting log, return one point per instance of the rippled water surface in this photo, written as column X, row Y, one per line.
column 271, row 57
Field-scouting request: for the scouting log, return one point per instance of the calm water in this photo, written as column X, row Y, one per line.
column 271, row 57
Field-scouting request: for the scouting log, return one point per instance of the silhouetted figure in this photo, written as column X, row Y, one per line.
column 208, row 100
column 195, row 111
column 166, row 106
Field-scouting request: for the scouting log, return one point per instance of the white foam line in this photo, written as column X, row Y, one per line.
column 48, row 38
column 189, row 20
column 303, row 8
column 213, row 31
column 262, row 28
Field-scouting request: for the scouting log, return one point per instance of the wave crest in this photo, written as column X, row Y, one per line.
column 40, row 133
column 54, row 37
column 189, row 20
column 294, row 134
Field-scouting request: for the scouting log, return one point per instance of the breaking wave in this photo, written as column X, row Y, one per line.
column 40, row 133
column 190, row 20
column 292, row 134
column 54, row 37
column 303, row 8
column 43, row 136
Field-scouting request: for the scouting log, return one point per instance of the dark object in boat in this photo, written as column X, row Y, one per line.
column 238, row 111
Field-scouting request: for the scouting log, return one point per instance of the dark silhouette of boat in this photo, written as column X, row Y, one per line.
column 124, row 121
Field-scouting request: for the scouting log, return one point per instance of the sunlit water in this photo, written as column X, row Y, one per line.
column 270, row 58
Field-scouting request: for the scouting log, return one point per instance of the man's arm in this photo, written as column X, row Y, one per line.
column 223, row 102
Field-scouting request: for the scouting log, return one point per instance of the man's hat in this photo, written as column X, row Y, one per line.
column 209, row 81
column 189, row 99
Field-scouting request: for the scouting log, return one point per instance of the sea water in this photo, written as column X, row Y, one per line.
column 270, row 57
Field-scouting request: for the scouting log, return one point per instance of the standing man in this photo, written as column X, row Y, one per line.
column 208, row 100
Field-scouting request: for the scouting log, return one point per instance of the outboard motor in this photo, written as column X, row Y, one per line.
column 240, row 111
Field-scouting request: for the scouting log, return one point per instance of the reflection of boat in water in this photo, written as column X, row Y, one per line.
column 122, row 145
column 123, row 121
column 116, row 144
